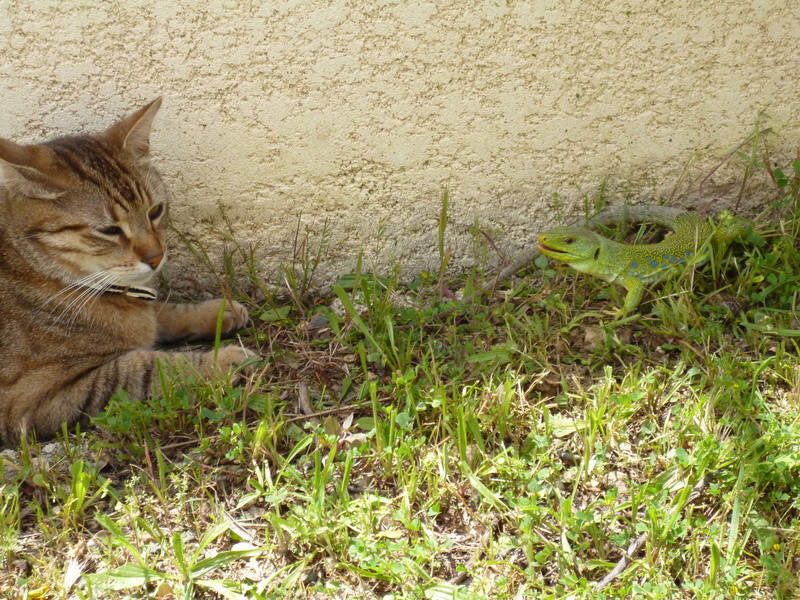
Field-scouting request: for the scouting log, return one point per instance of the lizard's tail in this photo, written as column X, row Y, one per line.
column 651, row 213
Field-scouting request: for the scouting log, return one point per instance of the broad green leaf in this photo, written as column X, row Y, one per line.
column 118, row 534
column 222, row 559
column 224, row 587
column 349, row 281
column 177, row 547
column 488, row 495
column 444, row 591
column 562, row 426
column 127, row 576
column 404, row 420
column 210, row 535
column 501, row 356
column 273, row 315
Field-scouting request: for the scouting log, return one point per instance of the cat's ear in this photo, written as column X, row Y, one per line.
column 26, row 170
column 133, row 132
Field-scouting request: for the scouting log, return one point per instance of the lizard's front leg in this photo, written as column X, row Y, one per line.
column 194, row 321
column 635, row 290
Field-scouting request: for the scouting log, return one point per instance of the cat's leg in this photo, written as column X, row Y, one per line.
column 136, row 372
column 194, row 321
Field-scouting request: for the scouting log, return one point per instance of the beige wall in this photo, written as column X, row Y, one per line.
column 360, row 111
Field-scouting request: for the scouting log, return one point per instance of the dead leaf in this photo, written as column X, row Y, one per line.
column 331, row 426
column 593, row 338
column 352, row 440
column 391, row 534
column 164, row 591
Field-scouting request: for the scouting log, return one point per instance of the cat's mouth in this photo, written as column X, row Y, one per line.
column 130, row 281
column 140, row 275
column 135, row 279
column 135, row 282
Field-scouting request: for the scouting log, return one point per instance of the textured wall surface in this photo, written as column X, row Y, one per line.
column 296, row 113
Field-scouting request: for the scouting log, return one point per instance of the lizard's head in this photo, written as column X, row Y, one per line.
column 570, row 244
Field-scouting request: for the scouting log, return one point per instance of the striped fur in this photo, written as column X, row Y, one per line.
column 79, row 214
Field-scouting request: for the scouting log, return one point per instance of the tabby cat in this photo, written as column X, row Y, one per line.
column 82, row 222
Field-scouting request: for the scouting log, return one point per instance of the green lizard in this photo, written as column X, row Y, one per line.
column 633, row 266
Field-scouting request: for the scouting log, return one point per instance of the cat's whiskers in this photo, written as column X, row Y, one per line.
column 85, row 293
column 69, row 299
column 82, row 301
column 76, row 285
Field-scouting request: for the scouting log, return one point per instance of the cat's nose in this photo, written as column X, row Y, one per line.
column 154, row 260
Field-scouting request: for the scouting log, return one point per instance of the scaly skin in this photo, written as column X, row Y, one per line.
column 634, row 266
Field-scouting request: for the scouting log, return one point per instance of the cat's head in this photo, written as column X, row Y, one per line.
column 87, row 208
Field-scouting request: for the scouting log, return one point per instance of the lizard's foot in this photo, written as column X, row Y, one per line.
column 620, row 317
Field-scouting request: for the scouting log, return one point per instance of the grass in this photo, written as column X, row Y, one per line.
column 405, row 441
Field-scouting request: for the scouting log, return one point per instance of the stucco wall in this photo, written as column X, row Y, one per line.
column 359, row 112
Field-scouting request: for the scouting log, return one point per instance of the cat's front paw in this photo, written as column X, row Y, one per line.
column 225, row 359
column 235, row 316
column 198, row 321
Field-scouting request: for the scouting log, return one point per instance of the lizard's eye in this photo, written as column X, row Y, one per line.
column 569, row 241
column 597, row 254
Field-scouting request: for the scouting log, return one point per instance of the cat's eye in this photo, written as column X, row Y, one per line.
column 156, row 212
column 111, row 230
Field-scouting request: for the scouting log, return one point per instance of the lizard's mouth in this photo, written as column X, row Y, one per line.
column 545, row 248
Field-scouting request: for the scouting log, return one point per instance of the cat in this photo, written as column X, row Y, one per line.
column 82, row 224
